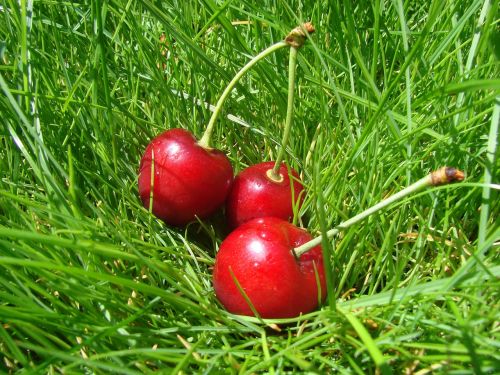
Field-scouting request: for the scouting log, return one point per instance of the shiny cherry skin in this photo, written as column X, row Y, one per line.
column 189, row 180
column 258, row 254
column 254, row 194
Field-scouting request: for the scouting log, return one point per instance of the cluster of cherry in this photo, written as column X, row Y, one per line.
column 256, row 270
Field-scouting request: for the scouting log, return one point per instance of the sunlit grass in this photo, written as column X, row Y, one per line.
column 387, row 91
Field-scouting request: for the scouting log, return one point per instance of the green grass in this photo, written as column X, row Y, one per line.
column 387, row 91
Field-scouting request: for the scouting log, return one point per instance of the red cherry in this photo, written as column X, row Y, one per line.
column 258, row 254
column 189, row 180
column 254, row 194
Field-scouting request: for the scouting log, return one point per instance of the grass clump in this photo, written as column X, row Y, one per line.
column 90, row 281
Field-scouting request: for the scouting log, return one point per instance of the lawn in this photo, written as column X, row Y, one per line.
column 385, row 93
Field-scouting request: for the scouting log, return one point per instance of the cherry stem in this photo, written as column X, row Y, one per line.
column 292, row 64
column 442, row 176
column 207, row 135
column 295, row 39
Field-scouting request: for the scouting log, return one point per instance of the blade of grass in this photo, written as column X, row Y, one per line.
column 380, row 360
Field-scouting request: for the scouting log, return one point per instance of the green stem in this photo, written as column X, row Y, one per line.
column 275, row 174
column 442, row 176
column 206, row 138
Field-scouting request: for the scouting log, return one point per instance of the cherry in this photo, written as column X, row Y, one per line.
column 255, row 193
column 259, row 257
column 189, row 180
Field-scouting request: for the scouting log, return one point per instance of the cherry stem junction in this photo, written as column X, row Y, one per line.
column 442, row 176
column 207, row 135
column 292, row 64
